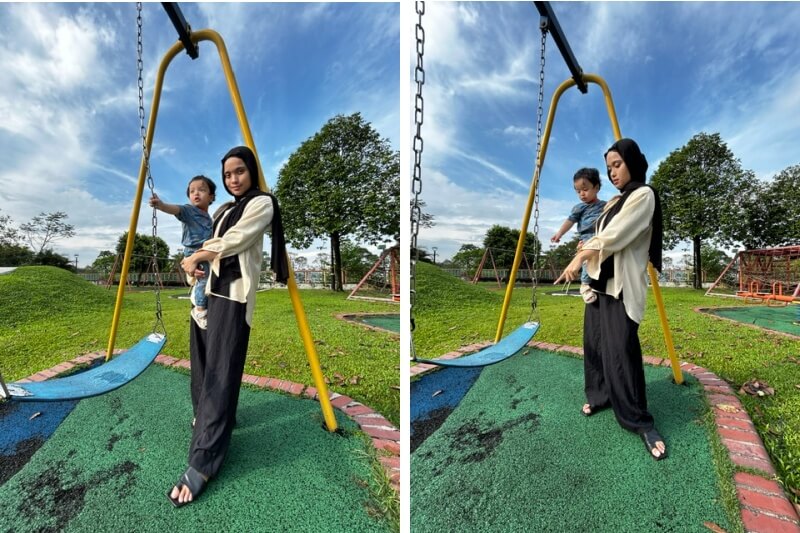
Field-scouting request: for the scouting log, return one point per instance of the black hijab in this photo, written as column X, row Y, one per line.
column 637, row 166
column 229, row 266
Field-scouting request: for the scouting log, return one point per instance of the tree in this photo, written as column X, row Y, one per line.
column 467, row 257
column 343, row 181
column 714, row 262
column 47, row 228
column 783, row 195
column 560, row 256
column 15, row 255
column 356, row 260
column 104, row 262
column 9, row 235
column 425, row 219
column 503, row 242
column 50, row 258
column 700, row 186
column 300, row 263
column 423, row 255
column 142, row 253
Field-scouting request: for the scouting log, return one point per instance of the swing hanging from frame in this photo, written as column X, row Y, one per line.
column 116, row 372
column 500, row 350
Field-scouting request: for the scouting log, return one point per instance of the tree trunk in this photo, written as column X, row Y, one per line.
column 698, row 264
column 337, row 265
column 333, row 266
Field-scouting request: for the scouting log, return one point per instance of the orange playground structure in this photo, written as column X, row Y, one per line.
column 769, row 275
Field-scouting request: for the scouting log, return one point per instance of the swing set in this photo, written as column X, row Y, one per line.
column 505, row 347
column 127, row 366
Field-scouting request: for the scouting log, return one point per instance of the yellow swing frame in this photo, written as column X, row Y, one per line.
column 591, row 78
column 299, row 311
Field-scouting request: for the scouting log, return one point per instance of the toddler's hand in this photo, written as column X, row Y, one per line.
column 155, row 201
column 555, row 238
column 580, row 245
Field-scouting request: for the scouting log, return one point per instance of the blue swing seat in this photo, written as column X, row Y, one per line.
column 95, row 381
column 495, row 353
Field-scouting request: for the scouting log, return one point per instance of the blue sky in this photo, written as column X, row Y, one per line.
column 69, row 133
column 674, row 69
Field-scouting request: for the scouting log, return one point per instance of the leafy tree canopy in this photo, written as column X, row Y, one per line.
column 560, row 256
column 503, row 242
column 700, row 186
column 344, row 181
column 143, row 253
column 771, row 212
column 468, row 257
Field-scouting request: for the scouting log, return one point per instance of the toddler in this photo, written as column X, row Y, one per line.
column 587, row 184
column 197, row 226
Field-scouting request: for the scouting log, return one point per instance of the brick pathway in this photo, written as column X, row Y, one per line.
column 384, row 436
column 763, row 504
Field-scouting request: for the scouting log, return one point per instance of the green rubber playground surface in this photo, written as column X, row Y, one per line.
column 110, row 463
column 783, row 319
column 387, row 322
column 517, row 455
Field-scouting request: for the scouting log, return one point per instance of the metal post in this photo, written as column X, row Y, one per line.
column 182, row 27
column 3, row 389
column 550, row 23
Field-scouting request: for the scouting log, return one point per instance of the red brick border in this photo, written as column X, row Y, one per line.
column 383, row 435
column 763, row 504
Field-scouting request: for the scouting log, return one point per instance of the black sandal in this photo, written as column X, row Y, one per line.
column 650, row 438
column 194, row 481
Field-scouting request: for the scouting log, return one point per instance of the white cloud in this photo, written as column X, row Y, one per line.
column 524, row 131
column 462, row 216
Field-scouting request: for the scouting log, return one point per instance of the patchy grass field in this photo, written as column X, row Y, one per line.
column 451, row 313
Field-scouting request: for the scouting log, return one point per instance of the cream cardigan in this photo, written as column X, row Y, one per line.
column 245, row 239
column 627, row 238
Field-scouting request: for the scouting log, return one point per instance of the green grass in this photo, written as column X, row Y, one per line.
column 50, row 315
column 451, row 313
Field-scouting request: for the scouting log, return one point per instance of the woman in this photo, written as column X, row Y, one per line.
column 218, row 353
column 628, row 234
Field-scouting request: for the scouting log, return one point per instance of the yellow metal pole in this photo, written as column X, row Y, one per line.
column 526, row 217
column 137, row 202
column 294, row 294
column 677, row 373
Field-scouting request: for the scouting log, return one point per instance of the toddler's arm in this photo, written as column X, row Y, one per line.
column 171, row 209
column 562, row 230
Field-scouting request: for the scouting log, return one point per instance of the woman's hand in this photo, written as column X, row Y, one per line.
column 189, row 265
column 573, row 270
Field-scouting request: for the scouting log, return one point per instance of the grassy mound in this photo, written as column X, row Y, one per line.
column 34, row 293
column 436, row 289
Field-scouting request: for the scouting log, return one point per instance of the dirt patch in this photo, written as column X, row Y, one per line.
column 6, row 408
column 478, row 440
column 424, row 428
column 54, row 498
column 11, row 464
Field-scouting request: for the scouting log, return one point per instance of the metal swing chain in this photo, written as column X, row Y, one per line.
column 146, row 156
column 538, row 171
column 416, row 181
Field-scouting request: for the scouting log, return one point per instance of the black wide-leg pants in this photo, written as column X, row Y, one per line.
column 612, row 363
column 217, row 356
